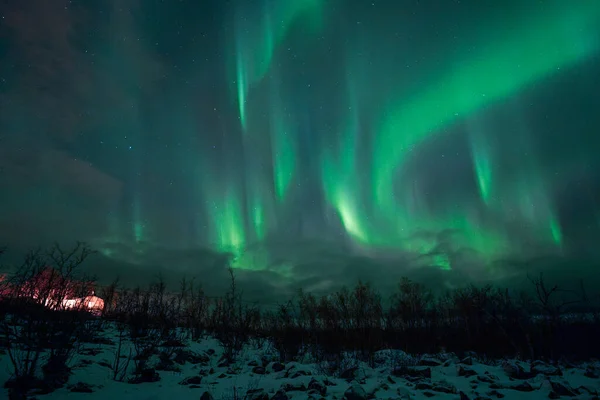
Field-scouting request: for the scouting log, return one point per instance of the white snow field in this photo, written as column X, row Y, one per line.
column 197, row 371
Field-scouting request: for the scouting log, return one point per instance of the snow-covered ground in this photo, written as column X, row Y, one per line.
column 198, row 372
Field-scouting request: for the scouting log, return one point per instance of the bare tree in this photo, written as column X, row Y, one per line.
column 38, row 320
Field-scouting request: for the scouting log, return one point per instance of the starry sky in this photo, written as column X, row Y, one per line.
column 309, row 142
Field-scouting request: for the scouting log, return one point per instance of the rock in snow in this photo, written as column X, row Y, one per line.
column 197, row 370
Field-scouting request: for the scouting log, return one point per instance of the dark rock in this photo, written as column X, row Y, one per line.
column 412, row 372
column 191, row 380
column 280, row 395
column 264, row 361
column 277, row 367
column 298, row 374
column 253, row 363
column 81, row 387
column 590, row 372
column 207, row 396
column 423, row 386
column 182, row 356
column 523, row 387
column 485, row 379
column 90, row 351
column 259, row 370
column 318, row 386
column 515, row 371
column 569, row 365
column 467, row 361
column 465, row 372
column 444, row 387
column 294, row 387
column 463, row 396
column 172, row 343
column 391, row 380
column 167, row 365
column 147, row 375
column 540, row 367
column 429, row 362
column 404, row 393
column 587, row 390
column 429, row 394
column 496, row 394
column 355, row 392
column 349, row 374
column 256, row 394
column 562, row 389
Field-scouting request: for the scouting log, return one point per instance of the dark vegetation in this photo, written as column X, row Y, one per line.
column 40, row 335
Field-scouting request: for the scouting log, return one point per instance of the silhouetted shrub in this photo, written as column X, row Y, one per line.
column 40, row 329
column 231, row 321
column 336, row 330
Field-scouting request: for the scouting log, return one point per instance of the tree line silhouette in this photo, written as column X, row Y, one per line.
column 549, row 324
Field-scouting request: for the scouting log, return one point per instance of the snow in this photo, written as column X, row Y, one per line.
column 390, row 378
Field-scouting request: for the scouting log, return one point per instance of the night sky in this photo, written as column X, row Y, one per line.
column 316, row 141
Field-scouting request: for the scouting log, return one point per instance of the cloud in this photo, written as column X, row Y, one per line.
column 312, row 266
column 27, row 163
column 51, row 71
column 143, row 263
column 81, row 178
column 50, row 195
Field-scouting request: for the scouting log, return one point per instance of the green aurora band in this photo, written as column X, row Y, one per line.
column 541, row 46
column 256, row 43
column 257, row 40
column 375, row 205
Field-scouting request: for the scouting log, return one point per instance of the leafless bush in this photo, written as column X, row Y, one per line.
column 250, row 392
column 286, row 335
column 154, row 320
column 39, row 321
column 120, row 364
column 367, row 314
column 195, row 309
column 232, row 321
column 410, row 306
column 109, row 295
column 493, row 322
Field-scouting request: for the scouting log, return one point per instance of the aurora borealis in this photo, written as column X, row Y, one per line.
column 301, row 135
